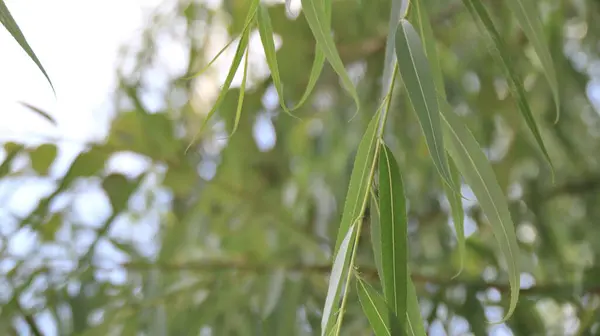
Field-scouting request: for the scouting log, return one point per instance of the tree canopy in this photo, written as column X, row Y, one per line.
column 350, row 167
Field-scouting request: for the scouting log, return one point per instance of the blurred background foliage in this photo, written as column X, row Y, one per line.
column 234, row 236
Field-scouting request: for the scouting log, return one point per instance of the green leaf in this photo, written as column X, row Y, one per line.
column 266, row 35
column 11, row 25
column 86, row 164
column 478, row 10
column 12, row 151
column 317, row 19
column 359, row 180
column 238, row 110
column 42, row 158
column 479, row 175
column 458, row 213
column 40, row 112
column 375, row 308
column 414, row 321
column 417, row 78
column 375, row 235
column 529, row 20
column 119, row 189
column 335, row 281
column 393, row 233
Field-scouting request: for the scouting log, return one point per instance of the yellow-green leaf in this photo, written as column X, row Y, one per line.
column 317, row 19
column 393, row 233
column 478, row 10
column 11, row 25
column 479, row 175
column 417, row 78
column 528, row 17
column 238, row 110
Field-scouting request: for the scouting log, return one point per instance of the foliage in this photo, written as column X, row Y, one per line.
column 417, row 182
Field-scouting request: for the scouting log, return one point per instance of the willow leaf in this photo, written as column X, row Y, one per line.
column 454, row 197
column 249, row 20
column 265, row 30
column 417, row 78
column 479, row 175
column 383, row 321
column 414, row 321
column 374, row 225
column 528, row 17
column 317, row 19
column 238, row 110
column 335, row 281
column 393, row 232
column 237, row 59
column 11, row 25
column 478, row 10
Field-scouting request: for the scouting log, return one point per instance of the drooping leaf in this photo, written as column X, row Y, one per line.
column 478, row 10
column 11, row 25
column 458, row 213
column 375, row 236
column 417, row 78
column 238, row 110
column 479, row 175
column 119, row 189
column 40, row 112
column 529, row 19
column 359, row 180
column 12, row 151
column 266, row 35
column 393, row 233
column 414, row 321
column 399, row 9
column 336, row 281
column 377, row 311
column 314, row 12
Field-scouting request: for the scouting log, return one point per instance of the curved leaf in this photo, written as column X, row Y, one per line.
column 477, row 9
column 478, row 173
column 529, row 20
column 376, row 310
column 417, row 78
column 11, row 25
column 315, row 14
column 414, row 321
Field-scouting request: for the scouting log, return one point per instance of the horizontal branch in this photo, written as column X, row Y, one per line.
column 547, row 289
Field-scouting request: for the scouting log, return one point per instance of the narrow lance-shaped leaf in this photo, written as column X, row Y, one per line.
column 316, row 17
column 354, row 205
column 453, row 196
column 479, row 175
column 318, row 62
column 360, row 179
column 238, row 112
column 383, row 321
column 11, row 25
column 417, row 78
column 528, row 17
column 265, row 30
column 393, row 233
column 399, row 9
column 478, row 10
column 414, row 321
column 374, row 225
column 338, row 271
column 249, row 20
column 237, row 59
